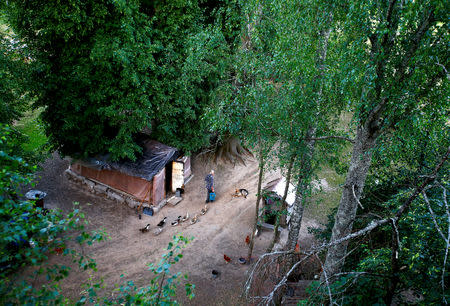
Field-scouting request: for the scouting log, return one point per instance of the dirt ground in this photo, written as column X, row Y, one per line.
column 221, row 231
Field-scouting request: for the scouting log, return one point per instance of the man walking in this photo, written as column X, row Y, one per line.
column 209, row 179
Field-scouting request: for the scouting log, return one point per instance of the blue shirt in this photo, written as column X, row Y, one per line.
column 209, row 179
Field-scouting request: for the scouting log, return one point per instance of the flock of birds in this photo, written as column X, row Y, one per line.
column 178, row 220
column 194, row 219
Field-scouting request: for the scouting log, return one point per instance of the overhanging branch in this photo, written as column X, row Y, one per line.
column 332, row 137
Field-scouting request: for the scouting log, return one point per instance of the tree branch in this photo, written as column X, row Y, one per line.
column 330, row 137
column 354, row 195
column 371, row 226
column 419, row 189
column 326, row 280
column 433, row 216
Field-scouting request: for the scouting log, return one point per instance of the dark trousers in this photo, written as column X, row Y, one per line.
column 208, row 191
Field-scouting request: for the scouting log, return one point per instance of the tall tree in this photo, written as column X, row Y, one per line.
column 395, row 69
column 107, row 70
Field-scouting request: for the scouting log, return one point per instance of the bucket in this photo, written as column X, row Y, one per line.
column 36, row 197
column 212, row 196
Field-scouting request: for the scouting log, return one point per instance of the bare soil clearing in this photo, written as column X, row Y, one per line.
column 221, row 231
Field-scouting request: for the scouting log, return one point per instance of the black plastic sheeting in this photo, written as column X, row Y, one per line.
column 154, row 158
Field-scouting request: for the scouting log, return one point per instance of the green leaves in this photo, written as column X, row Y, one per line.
column 162, row 287
column 106, row 70
column 28, row 235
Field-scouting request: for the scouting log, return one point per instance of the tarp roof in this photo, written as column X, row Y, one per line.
column 278, row 185
column 154, row 158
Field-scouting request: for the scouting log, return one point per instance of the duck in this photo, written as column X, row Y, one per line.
column 177, row 221
column 162, row 222
column 194, row 219
column 145, row 229
column 204, row 210
column 185, row 218
column 157, row 231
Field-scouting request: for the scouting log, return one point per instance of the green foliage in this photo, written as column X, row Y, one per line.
column 106, row 71
column 14, row 74
column 161, row 290
column 29, row 234
column 16, row 98
column 398, row 164
column 31, row 126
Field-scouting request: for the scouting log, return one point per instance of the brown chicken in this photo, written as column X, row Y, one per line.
column 247, row 239
column 227, row 259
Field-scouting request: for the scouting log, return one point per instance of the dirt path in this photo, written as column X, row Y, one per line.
column 221, row 231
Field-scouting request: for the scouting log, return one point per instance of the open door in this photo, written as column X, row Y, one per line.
column 177, row 175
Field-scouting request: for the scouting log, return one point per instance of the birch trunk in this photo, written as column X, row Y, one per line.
column 353, row 187
column 369, row 130
column 258, row 200
column 304, row 180
column 281, row 215
column 305, row 171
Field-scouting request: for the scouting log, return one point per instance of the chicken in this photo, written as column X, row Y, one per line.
column 145, row 229
column 247, row 239
column 227, row 259
column 59, row 250
column 162, row 222
column 204, row 210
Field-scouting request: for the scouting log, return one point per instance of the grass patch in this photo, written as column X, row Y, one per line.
column 323, row 201
column 32, row 127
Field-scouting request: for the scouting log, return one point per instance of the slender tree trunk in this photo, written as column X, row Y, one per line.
column 304, row 177
column 395, row 277
column 304, row 180
column 353, row 187
column 281, row 215
column 258, row 200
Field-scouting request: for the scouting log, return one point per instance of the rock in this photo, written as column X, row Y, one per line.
column 114, row 196
column 89, row 183
column 73, row 176
column 99, row 188
column 131, row 202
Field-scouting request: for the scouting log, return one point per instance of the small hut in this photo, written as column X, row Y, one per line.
column 272, row 195
column 158, row 171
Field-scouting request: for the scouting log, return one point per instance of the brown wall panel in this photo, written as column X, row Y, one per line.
column 135, row 186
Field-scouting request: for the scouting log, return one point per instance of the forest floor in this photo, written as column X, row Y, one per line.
column 128, row 251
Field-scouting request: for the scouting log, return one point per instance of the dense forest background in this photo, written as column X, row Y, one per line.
column 278, row 77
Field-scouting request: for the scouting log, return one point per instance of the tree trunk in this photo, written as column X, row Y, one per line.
column 305, row 170
column 395, row 277
column 258, row 200
column 370, row 129
column 281, row 215
column 356, row 177
column 304, row 180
